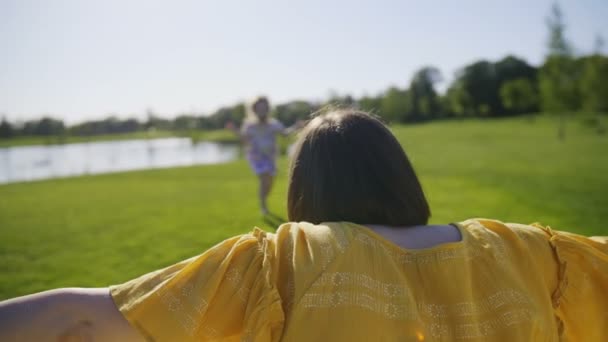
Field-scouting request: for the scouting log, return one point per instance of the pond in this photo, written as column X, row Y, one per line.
column 26, row 163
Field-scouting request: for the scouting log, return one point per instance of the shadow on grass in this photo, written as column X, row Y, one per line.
column 274, row 220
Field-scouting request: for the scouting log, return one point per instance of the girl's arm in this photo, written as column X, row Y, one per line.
column 230, row 126
column 69, row 314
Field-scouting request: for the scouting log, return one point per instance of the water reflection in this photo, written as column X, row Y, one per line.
column 41, row 162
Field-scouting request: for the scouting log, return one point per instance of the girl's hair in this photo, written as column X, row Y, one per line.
column 250, row 116
column 348, row 166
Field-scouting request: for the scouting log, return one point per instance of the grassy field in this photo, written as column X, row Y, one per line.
column 100, row 230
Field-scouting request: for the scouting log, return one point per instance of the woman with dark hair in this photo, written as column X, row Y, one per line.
column 358, row 263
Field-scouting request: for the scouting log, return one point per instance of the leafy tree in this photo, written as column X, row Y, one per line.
column 221, row 117
column 475, row 90
column 185, row 122
column 46, row 126
column 338, row 100
column 156, row 122
column 290, row 112
column 458, row 100
column 218, row 120
column 423, row 100
column 594, row 83
column 394, row 105
column 6, row 129
column 130, row 125
column 594, row 87
column 238, row 113
column 371, row 104
column 109, row 125
column 510, row 68
column 558, row 76
column 519, row 96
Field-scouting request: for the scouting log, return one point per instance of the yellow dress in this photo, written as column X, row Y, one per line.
column 341, row 281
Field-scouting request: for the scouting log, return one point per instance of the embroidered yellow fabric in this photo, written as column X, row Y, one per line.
column 341, row 281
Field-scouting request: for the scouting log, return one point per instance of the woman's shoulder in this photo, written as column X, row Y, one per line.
column 477, row 228
column 575, row 270
column 509, row 241
column 342, row 233
column 332, row 233
column 482, row 234
column 491, row 228
column 530, row 234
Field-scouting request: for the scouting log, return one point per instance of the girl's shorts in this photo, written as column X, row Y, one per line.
column 263, row 165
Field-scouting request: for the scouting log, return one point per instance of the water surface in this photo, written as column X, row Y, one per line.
column 26, row 163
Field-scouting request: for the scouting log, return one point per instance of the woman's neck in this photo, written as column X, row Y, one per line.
column 418, row 237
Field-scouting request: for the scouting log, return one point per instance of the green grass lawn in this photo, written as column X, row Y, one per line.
column 106, row 229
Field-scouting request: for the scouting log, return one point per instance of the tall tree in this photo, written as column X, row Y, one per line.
column 371, row 104
column 594, row 83
column 423, row 100
column 558, row 83
column 458, row 100
column 519, row 95
column 517, row 85
column 185, row 122
column 6, row 129
column 394, row 106
column 46, row 126
column 475, row 90
column 510, row 68
column 290, row 112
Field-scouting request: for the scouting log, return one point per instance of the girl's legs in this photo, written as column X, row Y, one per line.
column 265, row 169
column 266, row 180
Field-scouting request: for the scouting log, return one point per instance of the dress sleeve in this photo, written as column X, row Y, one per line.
column 224, row 294
column 581, row 297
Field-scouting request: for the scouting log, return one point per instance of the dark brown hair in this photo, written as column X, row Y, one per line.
column 258, row 100
column 348, row 166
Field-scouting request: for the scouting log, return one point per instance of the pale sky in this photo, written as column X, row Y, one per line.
column 81, row 59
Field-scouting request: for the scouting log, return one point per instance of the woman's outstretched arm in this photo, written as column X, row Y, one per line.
column 70, row 314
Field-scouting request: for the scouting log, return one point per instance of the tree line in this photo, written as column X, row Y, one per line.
column 563, row 84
